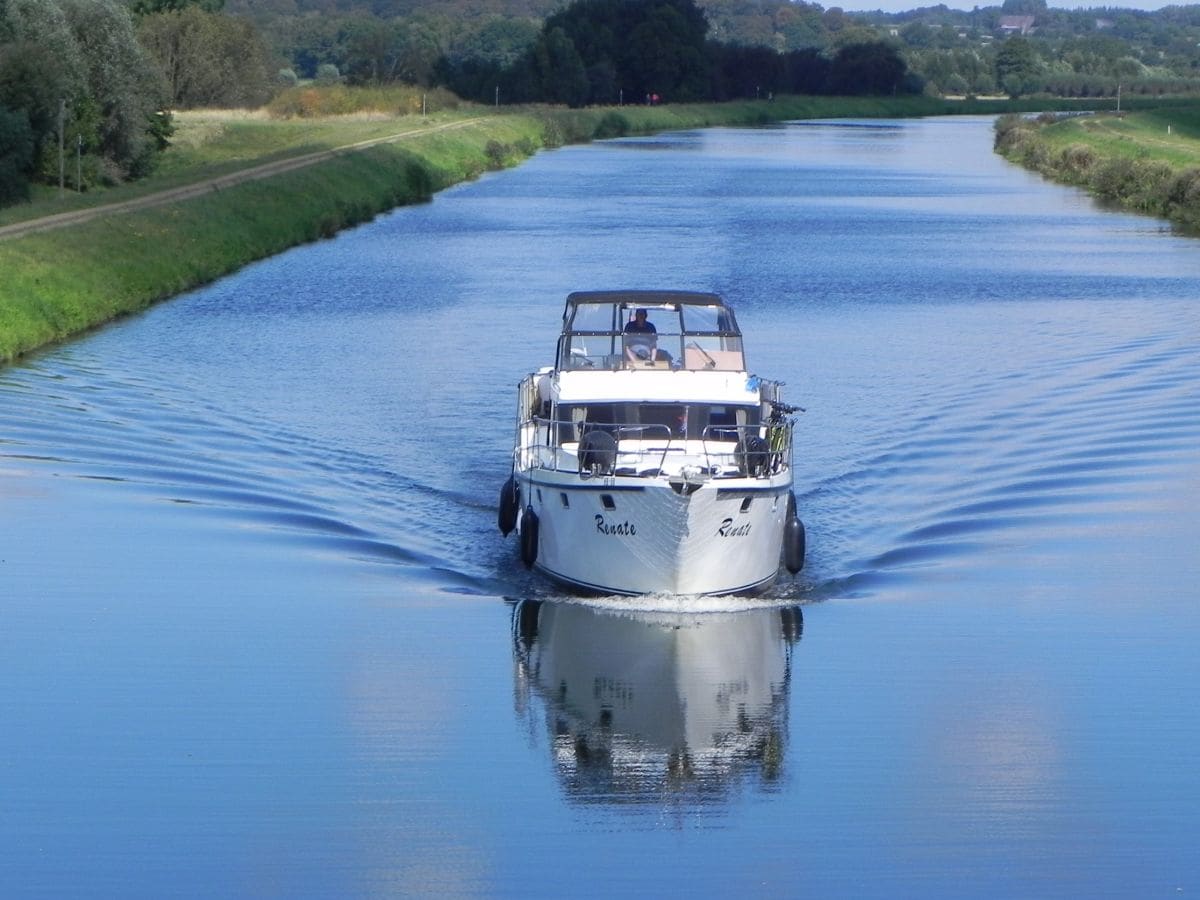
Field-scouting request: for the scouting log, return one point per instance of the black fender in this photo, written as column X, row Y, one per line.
column 510, row 503
column 794, row 539
column 529, row 537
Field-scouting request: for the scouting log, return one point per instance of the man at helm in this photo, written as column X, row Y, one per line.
column 641, row 338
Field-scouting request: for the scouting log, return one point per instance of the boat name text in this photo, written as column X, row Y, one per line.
column 625, row 527
column 727, row 529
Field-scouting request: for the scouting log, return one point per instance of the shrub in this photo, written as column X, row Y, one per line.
column 1114, row 179
column 1183, row 199
column 496, row 153
column 1076, row 161
column 1011, row 131
column 612, row 124
column 1150, row 186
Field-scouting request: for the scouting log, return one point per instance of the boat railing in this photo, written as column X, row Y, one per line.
column 650, row 450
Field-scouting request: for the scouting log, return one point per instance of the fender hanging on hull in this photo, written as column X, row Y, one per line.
column 793, row 538
column 529, row 537
column 510, row 502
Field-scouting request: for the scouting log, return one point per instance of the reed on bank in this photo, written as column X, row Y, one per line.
column 1147, row 162
column 57, row 284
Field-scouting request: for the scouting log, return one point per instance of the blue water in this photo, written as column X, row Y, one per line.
column 259, row 634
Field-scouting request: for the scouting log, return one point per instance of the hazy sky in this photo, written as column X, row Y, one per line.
column 906, row 5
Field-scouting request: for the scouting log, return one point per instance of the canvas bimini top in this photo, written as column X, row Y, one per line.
column 689, row 331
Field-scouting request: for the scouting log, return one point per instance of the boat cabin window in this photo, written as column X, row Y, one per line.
column 650, row 421
column 694, row 337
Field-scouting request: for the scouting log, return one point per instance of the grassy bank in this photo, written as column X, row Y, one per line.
column 57, row 284
column 1146, row 162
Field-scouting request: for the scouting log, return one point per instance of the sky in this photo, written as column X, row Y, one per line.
column 894, row 6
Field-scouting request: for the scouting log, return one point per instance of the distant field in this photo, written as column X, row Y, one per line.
column 1169, row 135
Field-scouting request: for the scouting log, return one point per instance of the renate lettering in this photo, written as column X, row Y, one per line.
column 626, row 527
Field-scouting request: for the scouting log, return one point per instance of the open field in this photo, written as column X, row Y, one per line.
column 1170, row 135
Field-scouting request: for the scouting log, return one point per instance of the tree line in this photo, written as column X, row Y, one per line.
column 86, row 86
column 73, row 75
column 647, row 51
column 1080, row 52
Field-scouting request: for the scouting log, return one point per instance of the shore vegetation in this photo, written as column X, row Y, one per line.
column 1146, row 162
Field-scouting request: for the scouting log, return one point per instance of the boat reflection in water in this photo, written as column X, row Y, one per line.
column 643, row 706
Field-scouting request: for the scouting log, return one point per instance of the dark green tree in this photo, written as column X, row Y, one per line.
column 77, row 72
column 1023, row 7
column 16, row 156
column 1017, row 67
column 872, row 68
column 560, row 69
column 148, row 7
column 208, row 59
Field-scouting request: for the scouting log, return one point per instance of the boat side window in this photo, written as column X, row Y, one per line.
column 727, row 423
column 662, row 419
column 574, row 421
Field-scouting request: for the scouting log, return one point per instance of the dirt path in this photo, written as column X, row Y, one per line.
column 174, row 195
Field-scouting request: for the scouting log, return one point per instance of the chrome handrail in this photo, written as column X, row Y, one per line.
column 733, row 456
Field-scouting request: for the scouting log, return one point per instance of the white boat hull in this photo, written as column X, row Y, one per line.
column 618, row 535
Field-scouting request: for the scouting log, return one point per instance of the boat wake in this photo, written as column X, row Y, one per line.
column 1017, row 470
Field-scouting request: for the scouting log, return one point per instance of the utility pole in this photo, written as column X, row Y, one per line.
column 497, row 96
column 79, row 163
column 62, row 119
column 1118, row 96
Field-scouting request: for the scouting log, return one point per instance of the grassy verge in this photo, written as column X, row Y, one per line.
column 1146, row 162
column 60, row 283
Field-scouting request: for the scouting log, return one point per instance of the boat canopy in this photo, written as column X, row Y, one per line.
column 679, row 330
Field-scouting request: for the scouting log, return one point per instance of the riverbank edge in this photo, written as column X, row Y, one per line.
column 60, row 284
column 1141, row 183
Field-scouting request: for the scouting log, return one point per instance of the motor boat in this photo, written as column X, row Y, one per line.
column 648, row 459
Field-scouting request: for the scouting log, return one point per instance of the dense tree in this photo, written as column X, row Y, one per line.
column 873, row 68
column 16, row 156
column 1017, row 66
column 123, row 91
column 655, row 47
column 500, row 40
column 146, row 7
column 1158, row 47
column 560, row 69
column 799, row 26
column 741, row 72
column 807, row 72
column 606, row 51
column 76, row 73
column 1023, row 7
column 208, row 59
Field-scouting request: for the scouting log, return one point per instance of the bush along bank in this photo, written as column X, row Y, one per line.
column 58, row 284
column 1142, row 184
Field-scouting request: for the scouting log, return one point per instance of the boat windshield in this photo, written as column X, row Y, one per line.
column 669, row 336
